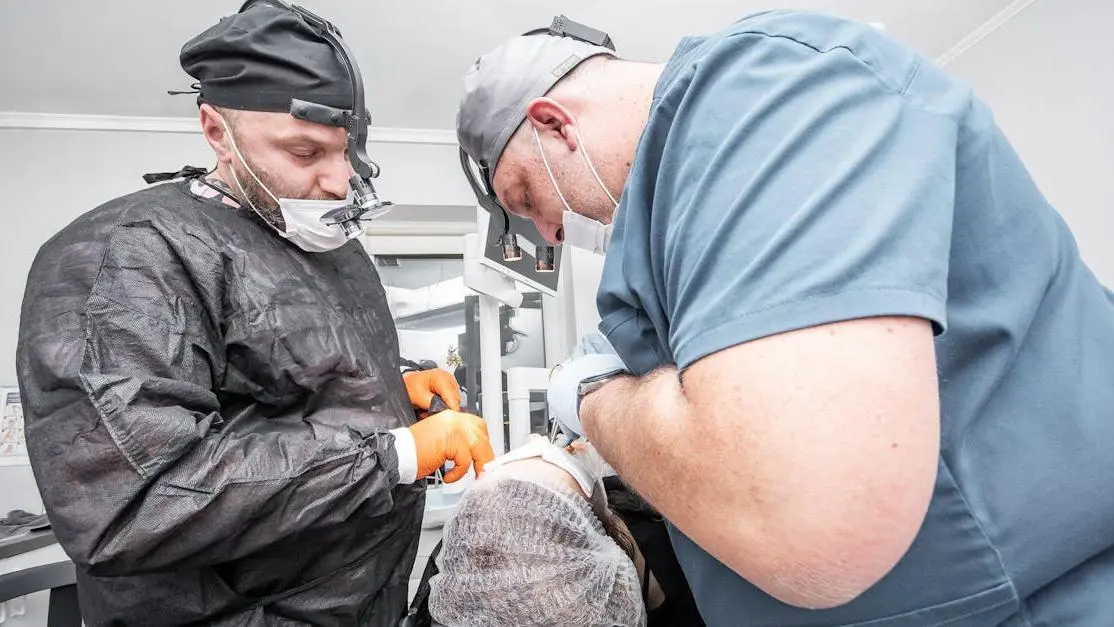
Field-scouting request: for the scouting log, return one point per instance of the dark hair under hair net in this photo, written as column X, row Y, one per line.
column 521, row 553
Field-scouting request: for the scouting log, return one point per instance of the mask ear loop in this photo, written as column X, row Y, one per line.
column 592, row 167
column 587, row 159
column 552, row 179
column 235, row 177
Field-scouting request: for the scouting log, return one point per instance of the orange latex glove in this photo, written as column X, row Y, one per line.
column 451, row 435
column 421, row 385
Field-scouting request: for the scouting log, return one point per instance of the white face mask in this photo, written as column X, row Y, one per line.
column 580, row 231
column 588, row 478
column 301, row 217
column 586, row 233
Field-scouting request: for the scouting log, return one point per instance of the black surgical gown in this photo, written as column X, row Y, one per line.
column 206, row 410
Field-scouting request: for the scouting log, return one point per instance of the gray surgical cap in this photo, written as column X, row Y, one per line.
column 520, row 553
column 501, row 83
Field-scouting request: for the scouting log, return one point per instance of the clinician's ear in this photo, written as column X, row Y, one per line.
column 551, row 116
column 215, row 133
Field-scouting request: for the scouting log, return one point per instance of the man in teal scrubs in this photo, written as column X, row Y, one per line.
column 868, row 378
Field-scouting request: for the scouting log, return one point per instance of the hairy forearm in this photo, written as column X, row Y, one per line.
column 646, row 428
column 727, row 481
column 637, row 425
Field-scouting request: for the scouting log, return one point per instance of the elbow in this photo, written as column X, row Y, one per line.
column 821, row 577
column 101, row 564
column 820, row 586
column 88, row 560
column 823, row 566
column 115, row 554
column 96, row 568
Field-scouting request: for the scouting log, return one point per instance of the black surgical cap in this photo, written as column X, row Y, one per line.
column 262, row 58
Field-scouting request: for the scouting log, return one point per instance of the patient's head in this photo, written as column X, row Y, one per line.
column 528, row 546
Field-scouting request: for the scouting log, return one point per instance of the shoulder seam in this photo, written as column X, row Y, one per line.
column 900, row 90
column 918, row 63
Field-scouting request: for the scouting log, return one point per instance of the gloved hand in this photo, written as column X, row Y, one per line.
column 593, row 358
column 445, row 436
column 422, row 385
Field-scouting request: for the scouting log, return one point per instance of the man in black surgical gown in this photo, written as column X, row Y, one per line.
column 215, row 412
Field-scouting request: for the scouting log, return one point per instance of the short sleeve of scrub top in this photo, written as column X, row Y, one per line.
column 779, row 187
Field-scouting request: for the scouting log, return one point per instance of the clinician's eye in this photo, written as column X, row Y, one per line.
column 304, row 155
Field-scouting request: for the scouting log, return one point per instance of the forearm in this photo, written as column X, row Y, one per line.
column 647, row 430
column 726, row 491
column 638, row 424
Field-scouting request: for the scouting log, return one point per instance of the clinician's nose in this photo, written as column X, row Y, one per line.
column 334, row 181
column 553, row 233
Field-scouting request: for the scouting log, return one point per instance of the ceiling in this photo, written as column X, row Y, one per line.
column 120, row 57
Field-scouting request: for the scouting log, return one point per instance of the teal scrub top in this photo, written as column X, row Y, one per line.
column 798, row 169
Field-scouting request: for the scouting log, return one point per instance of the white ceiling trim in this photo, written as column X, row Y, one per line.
column 985, row 30
column 80, row 122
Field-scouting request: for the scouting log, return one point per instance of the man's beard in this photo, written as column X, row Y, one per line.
column 256, row 197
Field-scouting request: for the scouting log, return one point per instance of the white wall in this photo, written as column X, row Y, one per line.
column 1049, row 77
column 19, row 490
column 50, row 177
